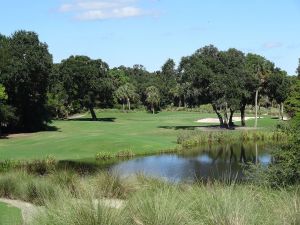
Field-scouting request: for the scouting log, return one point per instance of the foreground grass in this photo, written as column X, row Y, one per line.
column 138, row 132
column 72, row 199
column 9, row 215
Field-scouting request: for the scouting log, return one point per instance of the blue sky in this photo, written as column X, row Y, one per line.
column 148, row 32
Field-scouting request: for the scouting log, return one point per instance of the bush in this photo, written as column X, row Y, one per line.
column 285, row 169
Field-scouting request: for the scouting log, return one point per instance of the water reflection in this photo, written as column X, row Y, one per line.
column 207, row 162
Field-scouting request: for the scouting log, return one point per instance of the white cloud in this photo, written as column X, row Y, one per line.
column 271, row 45
column 103, row 9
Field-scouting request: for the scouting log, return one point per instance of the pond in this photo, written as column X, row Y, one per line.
column 203, row 163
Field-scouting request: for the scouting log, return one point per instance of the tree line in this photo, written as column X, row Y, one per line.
column 34, row 90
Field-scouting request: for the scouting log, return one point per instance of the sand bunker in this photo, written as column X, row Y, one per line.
column 216, row 120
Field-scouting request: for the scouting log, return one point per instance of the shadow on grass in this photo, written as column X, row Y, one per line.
column 108, row 119
column 275, row 118
column 217, row 127
column 188, row 127
column 86, row 167
column 15, row 134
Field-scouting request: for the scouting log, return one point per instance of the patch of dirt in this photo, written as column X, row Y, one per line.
column 19, row 135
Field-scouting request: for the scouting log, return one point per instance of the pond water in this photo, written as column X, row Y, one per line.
column 203, row 163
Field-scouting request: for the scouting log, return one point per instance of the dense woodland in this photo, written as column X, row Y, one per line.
column 34, row 90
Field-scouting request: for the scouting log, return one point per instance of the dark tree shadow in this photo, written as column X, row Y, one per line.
column 188, row 127
column 20, row 133
column 275, row 118
column 86, row 167
column 50, row 128
column 217, row 127
column 108, row 119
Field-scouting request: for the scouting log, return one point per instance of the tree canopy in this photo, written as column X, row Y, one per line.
column 25, row 68
column 86, row 81
column 34, row 89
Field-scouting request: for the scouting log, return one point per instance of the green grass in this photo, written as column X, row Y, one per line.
column 9, row 215
column 139, row 132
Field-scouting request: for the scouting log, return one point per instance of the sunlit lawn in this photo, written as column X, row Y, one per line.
column 9, row 215
column 137, row 131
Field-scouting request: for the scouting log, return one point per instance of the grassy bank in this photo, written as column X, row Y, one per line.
column 197, row 138
column 139, row 132
column 73, row 199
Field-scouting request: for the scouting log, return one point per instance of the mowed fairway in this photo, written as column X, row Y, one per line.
column 140, row 132
column 9, row 215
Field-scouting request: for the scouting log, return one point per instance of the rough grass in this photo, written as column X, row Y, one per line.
column 195, row 138
column 175, row 204
column 71, row 199
column 115, row 131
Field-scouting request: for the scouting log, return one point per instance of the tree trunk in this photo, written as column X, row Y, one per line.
column 123, row 106
column 243, row 121
column 226, row 117
column 231, row 124
column 179, row 104
column 281, row 110
column 94, row 117
column 256, row 108
column 219, row 116
column 152, row 108
column 128, row 103
column 256, row 154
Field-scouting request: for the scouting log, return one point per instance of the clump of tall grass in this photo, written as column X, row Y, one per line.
column 82, row 211
column 105, row 156
column 125, row 154
column 120, row 154
column 158, row 206
column 106, row 185
column 172, row 204
column 244, row 204
column 26, row 187
column 194, row 138
column 41, row 167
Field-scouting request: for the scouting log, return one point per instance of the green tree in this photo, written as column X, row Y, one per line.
column 298, row 69
column 86, row 81
column 153, row 97
column 292, row 103
column 261, row 69
column 6, row 112
column 168, row 80
column 25, row 73
column 278, row 86
column 126, row 94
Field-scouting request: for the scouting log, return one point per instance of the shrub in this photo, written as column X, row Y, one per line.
column 42, row 167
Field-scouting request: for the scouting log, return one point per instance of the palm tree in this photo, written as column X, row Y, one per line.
column 153, row 97
column 126, row 93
